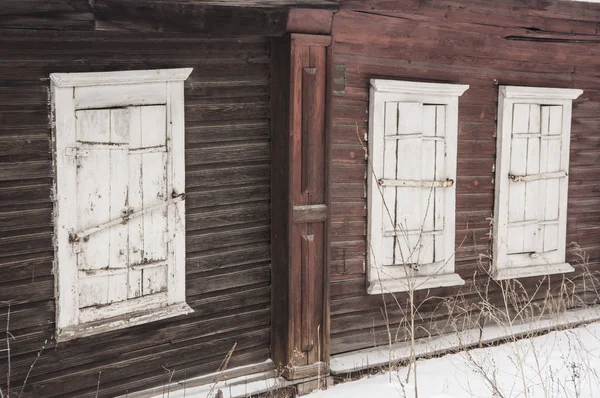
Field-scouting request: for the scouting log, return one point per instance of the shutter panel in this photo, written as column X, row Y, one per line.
column 122, row 169
column 149, row 152
column 101, row 196
column 550, row 162
column 535, row 173
column 414, row 167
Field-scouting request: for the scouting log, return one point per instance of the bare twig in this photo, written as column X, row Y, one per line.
column 31, row 367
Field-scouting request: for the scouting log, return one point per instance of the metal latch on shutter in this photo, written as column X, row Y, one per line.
column 76, row 237
column 416, row 183
column 536, row 177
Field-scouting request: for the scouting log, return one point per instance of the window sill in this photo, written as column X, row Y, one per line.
column 417, row 283
column 535, row 270
column 122, row 321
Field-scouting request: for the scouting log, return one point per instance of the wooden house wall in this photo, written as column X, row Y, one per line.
column 475, row 42
column 228, row 216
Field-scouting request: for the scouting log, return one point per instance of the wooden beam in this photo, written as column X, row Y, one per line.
column 46, row 14
column 310, row 20
column 322, row 4
column 189, row 17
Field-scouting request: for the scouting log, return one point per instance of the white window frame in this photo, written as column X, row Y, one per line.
column 383, row 279
column 508, row 96
column 71, row 92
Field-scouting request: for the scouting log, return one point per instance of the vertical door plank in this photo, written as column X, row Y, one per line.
column 93, row 202
column 154, row 185
column 428, row 167
column 408, row 167
column 136, row 196
column 518, row 166
column 154, row 192
column 316, row 175
column 101, row 198
column 532, row 241
column 388, row 194
column 550, row 162
column 440, row 175
column 119, row 182
column 300, row 59
column 308, row 297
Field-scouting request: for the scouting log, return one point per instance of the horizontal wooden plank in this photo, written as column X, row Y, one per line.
column 26, row 242
column 75, row 357
column 204, row 284
column 25, row 170
column 27, row 291
column 249, row 151
column 221, row 176
column 82, row 376
column 309, row 213
column 16, row 220
column 221, row 216
column 223, row 238
column 235, row 255
column 227, row 195
column 225, row 131
column 28, row 266
column 238, row 297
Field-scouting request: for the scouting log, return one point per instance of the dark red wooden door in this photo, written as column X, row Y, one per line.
column 307, row 191
column 300, row 322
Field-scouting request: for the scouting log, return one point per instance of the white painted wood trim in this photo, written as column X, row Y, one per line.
column 541, row 94
column 416, row 283
column 143, row 93
column 407, row 87
column 120, row 77
column 176, row 169
column 532, row 270
column 502, row 262
column 383, row 91
column 381, row 356
column 65, row 261
column 122, row 321
column 164, row 86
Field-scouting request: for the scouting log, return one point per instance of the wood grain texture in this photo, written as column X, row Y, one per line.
column 228, row 211
column 46, row 14
column 463, row 42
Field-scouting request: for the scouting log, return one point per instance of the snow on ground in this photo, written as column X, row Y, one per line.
column 556, row 365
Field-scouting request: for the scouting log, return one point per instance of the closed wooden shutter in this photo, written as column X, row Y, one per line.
column 121, row 162
column 413, row 182
column 535, row 173
column 413, row 131
column 119, row 199
column 532, row 166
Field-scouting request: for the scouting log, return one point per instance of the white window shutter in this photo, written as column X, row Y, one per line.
column 411, row 185
column 120, row 190
column 532, row 181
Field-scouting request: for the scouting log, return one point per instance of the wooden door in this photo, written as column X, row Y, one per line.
column 307, row 183
column 299, row 184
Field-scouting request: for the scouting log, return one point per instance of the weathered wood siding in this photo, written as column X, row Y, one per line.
column 228, row 215
column 475, row 42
